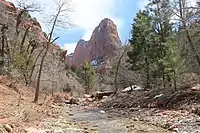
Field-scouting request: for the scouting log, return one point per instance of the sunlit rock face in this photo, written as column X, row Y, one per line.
column 104, row 42
column 82, row 53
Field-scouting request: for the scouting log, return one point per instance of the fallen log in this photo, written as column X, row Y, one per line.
column 99, row 95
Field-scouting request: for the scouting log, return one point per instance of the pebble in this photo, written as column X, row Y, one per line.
column 95, row 125
column 70, row 114
column 129, row 126
column 135, row 119
column 85, row 128
column 175, row 130
column 9, row 128
column 109, row 116
column 198, row 120
column 102, row 111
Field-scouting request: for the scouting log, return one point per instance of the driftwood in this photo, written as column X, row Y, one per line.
column 99, row 95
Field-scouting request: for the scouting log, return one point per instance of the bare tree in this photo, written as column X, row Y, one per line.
column 25, row 8
column 181, row 8
column 118, row 66
column 62, row 9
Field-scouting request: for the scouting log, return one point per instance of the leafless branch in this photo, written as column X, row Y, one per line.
column 54, row 40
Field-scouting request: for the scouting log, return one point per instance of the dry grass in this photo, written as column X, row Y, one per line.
column 24, row 113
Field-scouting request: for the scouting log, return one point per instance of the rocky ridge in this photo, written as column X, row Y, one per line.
column 103, row 43
column 54, row 76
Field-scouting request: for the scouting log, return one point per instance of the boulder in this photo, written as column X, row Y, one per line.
column 196, row 88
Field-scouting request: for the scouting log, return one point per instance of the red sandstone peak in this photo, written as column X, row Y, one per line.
column 103, row 43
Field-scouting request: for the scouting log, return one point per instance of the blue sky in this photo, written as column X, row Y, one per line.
column 121, row 12
column 87, row 14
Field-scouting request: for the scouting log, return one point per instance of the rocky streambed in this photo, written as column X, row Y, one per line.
column 80, row 119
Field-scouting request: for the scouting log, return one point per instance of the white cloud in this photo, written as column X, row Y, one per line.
column 142, row 3
column 86, row 14
column 193, row 2
column 70, row 47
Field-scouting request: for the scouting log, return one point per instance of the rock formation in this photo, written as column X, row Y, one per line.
column 54, row 73
column 103, row 43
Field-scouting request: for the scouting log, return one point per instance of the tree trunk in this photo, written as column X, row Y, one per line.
column 43, row 57
column 117, row 69
column 8, row 52
column 169, row 82
column 19, row 21
column 87, row 82
column 39, row 75
column 175, row 87
column 3, row 43
column 33, row 67
column 147, row 74
column 163, row 77
column 3, row 29
column 148, row 78
column 23, row 39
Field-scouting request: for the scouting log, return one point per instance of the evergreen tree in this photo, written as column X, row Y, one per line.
column 144, row 48
column 88, row 74
column 173, row 61
column 154, row 45
column 161, row 16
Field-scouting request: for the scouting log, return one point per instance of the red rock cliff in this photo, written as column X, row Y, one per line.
column 103, row 43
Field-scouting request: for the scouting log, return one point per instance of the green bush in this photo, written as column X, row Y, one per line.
column 22, row 61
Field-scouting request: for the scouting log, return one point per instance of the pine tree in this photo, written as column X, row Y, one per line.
column 88, row 74
column 161, row 16
column 144, row 48
column 173, row 61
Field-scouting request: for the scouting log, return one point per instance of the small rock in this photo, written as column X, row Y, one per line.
column 89, row 99
column 196, row 88
column 197, row 131
column 8, row 127
column 130, row 126
column 109, row 116
column 141, row 119
column 197, row 120
column 124, row 113
column 85, row 128
column 95, row 125
column 70, row 114
column 135, row 119
column 57, row 131
column 104, row 97
column 102, row 111
column 133, row 109
column 157, row 96
column 53, row 106
column 84, row 122
column 175, row 130
column 87, row 96
column 93, row 129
